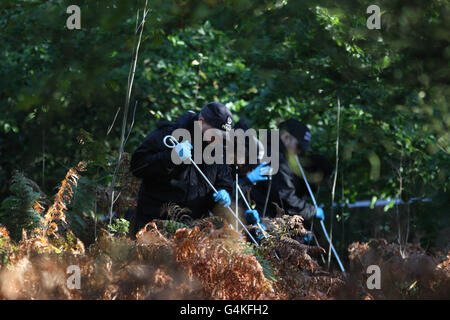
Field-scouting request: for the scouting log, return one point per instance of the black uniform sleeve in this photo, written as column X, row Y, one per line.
column 284, row 188
column 152, row 158
column 224, row 180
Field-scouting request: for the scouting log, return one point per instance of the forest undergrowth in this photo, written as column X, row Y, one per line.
column 184, row 259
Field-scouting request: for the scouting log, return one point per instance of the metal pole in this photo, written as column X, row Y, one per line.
column 249, row 208
column 332, row 247
column 237, row 196
column 321, row 222
column 174, row 142
column 267, row 196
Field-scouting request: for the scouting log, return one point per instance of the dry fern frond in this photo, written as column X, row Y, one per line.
column 4, row 233
column 296, row 253
column 62, row 198
column 177, row 213
column 38, row 207
column 222, row 269
column 287, row 225
column 444, row 266
column 408, row 271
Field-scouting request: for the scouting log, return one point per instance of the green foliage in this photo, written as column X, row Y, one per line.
column 6, row 247
column 269, row 270
column 171, row 226
column 82, row 208
column 119, row 227
column 267, row 60
column 83, row 200
column 16, row 211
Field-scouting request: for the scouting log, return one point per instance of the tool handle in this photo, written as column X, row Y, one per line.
column 321, row 221
column 332, row 247
column 170, row 142
column 173, row 142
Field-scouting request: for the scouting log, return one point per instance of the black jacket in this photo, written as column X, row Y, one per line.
column 288, row 191
column 164, row 182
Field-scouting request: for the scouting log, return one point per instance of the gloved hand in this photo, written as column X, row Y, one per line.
column 252, row 216
column 319, row 214
column 222, row 197
column 308, row 238
column 257, row 174
column 183, row 150
column 259, row 234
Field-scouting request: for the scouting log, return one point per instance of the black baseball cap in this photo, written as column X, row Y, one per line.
column 218, row 116
column 299, row 130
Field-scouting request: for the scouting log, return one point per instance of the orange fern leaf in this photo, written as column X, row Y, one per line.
column 64, row 196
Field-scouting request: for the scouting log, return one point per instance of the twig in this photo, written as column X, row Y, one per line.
column 114, row 121
column 342, row 217
column 398, row 171
column 334, row 181
column 132, row 122
column 43, row 159
column 117, row 197
column 95, row 208
column 125, row 113
column 138, row 29
column 408, row 208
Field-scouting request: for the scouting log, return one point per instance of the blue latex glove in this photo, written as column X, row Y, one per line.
column 308, row 238
column 183, row 150
column 319, row 214
column 252, row 216
column 222, row 197
column 259, row 234
column 257, row 174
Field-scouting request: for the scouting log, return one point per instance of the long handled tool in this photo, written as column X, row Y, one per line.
column 267, row 197
column 236, row 207
column 321, row 221
column 170, row 142
column 249, row 208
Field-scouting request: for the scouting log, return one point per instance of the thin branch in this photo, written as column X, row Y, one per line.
column 114, row 121
column 334, row 181
column 129, row 72
column 117, row 197
column 132, row 122
column 342, row 217
column 398, row 171
column 125, row 114
column 43, row 159
column 408, row 208
column 138, row 28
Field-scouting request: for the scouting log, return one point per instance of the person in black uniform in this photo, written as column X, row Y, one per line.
column 165, row 182
column 288, row 190
column 248, row 174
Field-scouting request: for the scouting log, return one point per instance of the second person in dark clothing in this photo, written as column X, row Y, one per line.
column 287, row 189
